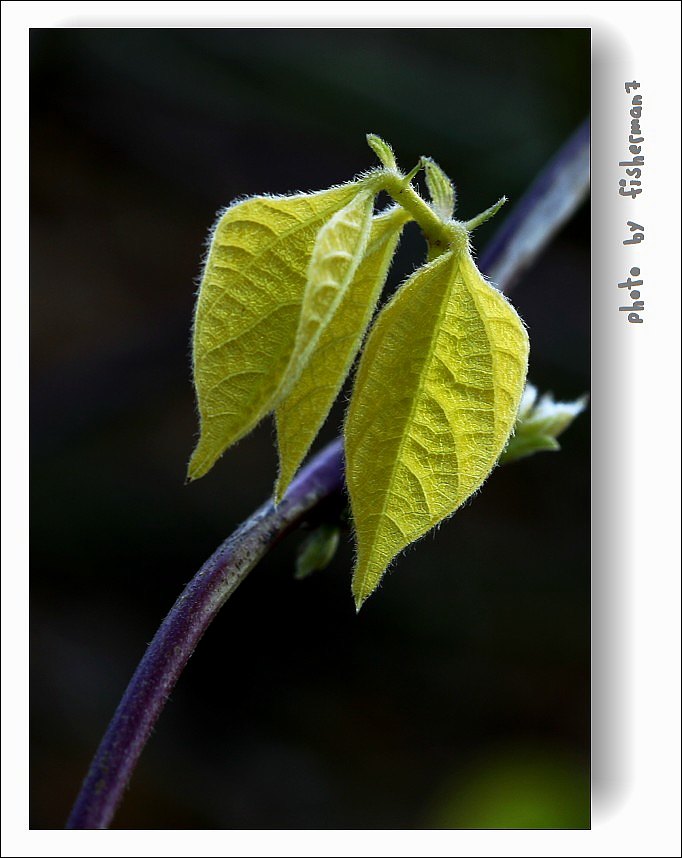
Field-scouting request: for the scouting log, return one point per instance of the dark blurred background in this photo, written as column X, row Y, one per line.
column 458, row 698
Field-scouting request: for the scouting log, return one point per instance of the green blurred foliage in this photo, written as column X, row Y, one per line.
column 518, row 787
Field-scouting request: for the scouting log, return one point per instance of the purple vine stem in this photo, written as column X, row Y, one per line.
column 550, row 201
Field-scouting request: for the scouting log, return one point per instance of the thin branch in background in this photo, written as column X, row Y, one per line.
column 549, row 202
column 552, row 199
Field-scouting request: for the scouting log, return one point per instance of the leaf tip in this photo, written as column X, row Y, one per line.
column 280, row 490
column 363, row 588
column 192, row 475
column 199, row 464
column 365, row 582
column 441, row 189
column 486, row 215
column 360, row 596
column 382, row 150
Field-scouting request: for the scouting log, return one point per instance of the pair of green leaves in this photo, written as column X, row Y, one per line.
column 289, row 288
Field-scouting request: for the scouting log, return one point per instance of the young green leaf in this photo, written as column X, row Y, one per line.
column 440, row 187
column 539, row 423
column 248, row 310
column 338, row 251
column 382, row 150
column 317, row 550
column 435, row 399
column 301, row 414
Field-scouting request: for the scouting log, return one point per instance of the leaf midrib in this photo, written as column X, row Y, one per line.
column 420, row 384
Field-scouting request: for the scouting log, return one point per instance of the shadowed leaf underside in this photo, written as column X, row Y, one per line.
column 338, row 251
column 301, row 414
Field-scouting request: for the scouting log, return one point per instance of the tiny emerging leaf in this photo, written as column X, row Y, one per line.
column 317, row 550
column 382, row 150
column 248, row 309
column 435, row 399
column 539, row 423
column 440, row 187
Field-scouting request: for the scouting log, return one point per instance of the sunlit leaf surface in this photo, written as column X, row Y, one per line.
column 248, row 310
column 435, row 399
